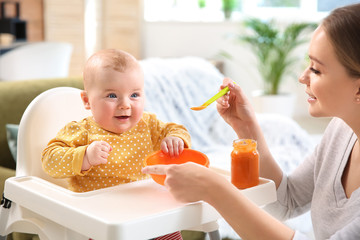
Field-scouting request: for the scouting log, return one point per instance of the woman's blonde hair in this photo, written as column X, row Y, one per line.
column 342, row 27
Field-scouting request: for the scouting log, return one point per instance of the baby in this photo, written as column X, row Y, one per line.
column 109, row 147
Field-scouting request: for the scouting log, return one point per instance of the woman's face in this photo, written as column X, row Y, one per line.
column 332, row 92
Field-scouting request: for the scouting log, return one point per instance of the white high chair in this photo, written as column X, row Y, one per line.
column 36, row 203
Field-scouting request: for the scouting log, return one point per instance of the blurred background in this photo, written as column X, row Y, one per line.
column 165, row 28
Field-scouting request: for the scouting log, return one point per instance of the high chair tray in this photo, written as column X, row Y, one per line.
column 138, row 210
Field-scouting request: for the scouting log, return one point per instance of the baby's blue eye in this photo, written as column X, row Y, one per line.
column 134, row 95
column 112, row 95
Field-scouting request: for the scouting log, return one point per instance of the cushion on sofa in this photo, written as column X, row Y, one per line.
column 11, row 134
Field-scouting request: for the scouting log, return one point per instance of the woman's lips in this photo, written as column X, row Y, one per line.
column 311, row 98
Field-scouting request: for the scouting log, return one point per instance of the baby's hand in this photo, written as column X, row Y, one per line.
column 96, row 153
column 172, row 145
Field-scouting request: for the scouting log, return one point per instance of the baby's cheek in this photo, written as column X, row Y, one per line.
column 136, row 115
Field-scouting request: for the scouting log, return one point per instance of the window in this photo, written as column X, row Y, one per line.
column 328, row 5
column 183, row 10
column 220, row 10
column 279, row 3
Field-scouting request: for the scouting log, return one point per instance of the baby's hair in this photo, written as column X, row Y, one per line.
column 111, row 58
column 115, row 59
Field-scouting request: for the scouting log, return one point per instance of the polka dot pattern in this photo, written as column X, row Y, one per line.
column 63, row 156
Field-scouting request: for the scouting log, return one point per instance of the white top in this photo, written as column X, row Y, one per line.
column 316, row 185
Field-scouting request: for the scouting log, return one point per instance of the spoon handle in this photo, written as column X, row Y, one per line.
column 221, row 93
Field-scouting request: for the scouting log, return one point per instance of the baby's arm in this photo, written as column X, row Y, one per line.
column 172, row 145
column 64, row 156
column 96, row 153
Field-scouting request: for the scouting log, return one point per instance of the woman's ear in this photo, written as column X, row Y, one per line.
column 357, row 90
column 85, row 99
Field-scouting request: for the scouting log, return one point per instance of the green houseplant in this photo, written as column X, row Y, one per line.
column 274, row 48
column 228, row 6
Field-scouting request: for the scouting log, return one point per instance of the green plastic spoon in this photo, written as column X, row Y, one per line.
column 221, row 93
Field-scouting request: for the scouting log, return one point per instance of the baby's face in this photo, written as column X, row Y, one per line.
column 117, row 99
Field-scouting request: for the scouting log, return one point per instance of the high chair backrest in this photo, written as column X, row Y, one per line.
column 43, row 118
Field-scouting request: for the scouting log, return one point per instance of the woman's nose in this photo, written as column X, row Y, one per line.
column 304, row 77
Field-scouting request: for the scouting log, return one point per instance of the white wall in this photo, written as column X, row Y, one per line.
column 177, row 39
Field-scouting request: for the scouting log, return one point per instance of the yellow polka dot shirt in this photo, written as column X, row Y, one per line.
column 63, row 156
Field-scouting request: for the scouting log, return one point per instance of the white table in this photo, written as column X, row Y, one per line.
column 138, row 210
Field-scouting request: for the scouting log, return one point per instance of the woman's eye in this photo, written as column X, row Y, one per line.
column 112, row 95
column 314, row 70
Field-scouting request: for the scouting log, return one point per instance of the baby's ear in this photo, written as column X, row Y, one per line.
column 85, row 99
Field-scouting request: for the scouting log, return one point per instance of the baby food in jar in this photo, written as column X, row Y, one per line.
column 244, row 163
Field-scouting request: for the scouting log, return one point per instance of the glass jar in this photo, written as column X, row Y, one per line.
column 244, row 164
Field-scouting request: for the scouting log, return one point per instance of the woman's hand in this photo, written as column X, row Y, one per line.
column 188, row 182
column 235, row 108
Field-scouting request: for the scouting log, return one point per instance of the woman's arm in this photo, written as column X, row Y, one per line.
column 248, row 220
column 191, row 182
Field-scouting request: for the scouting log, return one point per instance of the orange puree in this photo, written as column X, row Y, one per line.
column 244, row 164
